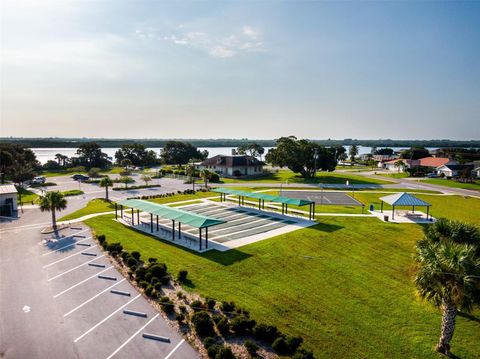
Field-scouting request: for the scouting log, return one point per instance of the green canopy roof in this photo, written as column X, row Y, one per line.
column 404, row 199
column 263, row 196
column 192, row 219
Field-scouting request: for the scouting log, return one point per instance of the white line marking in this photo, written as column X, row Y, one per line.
column 92, row 298
column 68, row 245
column 133, row 336
column 174, row 349
column 83, row 281
column 71, row 269
column 105, row 319
column 70, row 256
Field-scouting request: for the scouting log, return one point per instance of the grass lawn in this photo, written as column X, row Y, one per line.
column 69, row 171
column 94, row 206
column 266, row 187
column 282, row 176
column 454, row 184
column 26, row 195
column 72, row 192
column 393, row 175
column 345, row 285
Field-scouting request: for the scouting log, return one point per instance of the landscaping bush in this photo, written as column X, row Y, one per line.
column 197, row 306
column 140, row 273
column 280, row 346
column 149, row 290
column 203, row 324
column 179, row 317
column 155, row 280
column 217, row 317
column 94, row 172
column 182, row 276
column 115, row 247
column 143, row 284
column 251, row 348
column 183, row 308
column 148, row 276
column 267, row 333
column 125, row 256
column 303, row 354
column 131, row 262
column 165, row 280
column 167, row 305
column 211, row 303
column 224, row 326
column 208, row 342
column 225, row 353
column 228, row 306
column 152, row 260
column 214, row 177
column 242, row 325
column 213, row 349
column 158, row 287
column 101, row 239
column 158, row 270
column 136, row 255
column 294, row 343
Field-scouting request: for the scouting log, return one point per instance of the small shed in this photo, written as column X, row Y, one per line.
column 8, row 200
column 404, row 199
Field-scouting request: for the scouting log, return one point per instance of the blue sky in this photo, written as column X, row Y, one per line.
column 256, row 69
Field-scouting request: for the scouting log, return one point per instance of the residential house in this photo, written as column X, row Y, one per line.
column 8, row 200
column 453, row 170
column 235, row 165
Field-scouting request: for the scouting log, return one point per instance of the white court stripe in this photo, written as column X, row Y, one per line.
column 71, row 269
column 105, row 319
column 68, row 245
column 174, row 349
column 70, row 256
column 92, row 298
column 83, row 281
column 133, row 336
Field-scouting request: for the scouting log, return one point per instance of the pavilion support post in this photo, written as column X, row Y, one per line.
column 259, row 204
column 138, row 216
column 133, row 217
column 381, row 208
column 413, row 209
column 243, row 200
column 200, row 237
column 206, row 237
column 116, row 213
column 313, row 212
column 286, row 208
column 173, row 229
column 428, row 207
column 282, row 209
column 179, row 230
column 263, row 201
column 239, row 201
column 157, row 225
column 151, row 222
column 393, row 212
column 121, row 211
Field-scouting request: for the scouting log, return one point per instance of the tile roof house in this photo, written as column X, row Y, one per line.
column 236, row 165
column 432, row 162
column 453, row 170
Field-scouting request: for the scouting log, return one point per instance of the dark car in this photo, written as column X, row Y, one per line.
column 79, row 177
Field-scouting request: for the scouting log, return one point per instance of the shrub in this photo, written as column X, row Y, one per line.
column 131, row 262
column 267, row 333
column 203, row 324
column 197, row 305
column 158, row 287
column 140, row 273
column 132, row 270
column 214, row 177
column 182, row 276
column 101, row 239
column 125, row 256
column 242, row 325
column 294, row 343
column 228, row 306
column 208, row 342
column 303, row 354
column 223, row 326
column 94, row 172
column 165, row 280
column 143, row 284
column 167, row 306
column 280, row 346
column 183, row 308
column 212, row 350
column 251, row 348
column 148, row 276
column 152, row 260
column 217, row 317
column 136, row 255
column 211, row 303
column 154, row 280
column 149, row 290
column 224, row 353
column 158, row 270
column 179, row 317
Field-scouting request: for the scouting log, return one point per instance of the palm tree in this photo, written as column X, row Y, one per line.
column 106, row 182
column 399, row 164
column 206, row 175
column 448, row 272
column 146, row 179
column 51, row 202
column 126, row 180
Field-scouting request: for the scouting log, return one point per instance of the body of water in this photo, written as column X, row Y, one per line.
column 45, row 154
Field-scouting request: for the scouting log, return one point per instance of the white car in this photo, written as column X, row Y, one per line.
column 39, row 180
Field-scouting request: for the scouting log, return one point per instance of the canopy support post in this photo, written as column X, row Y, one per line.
column 138, row 216
column 428, row 208
column 413, row 209
column 259, row 204
column 313, row 211
column 393, row 212
column 206, row 237
column 121, row 211
column 157, row 224
column 116, row 214
column 151, row 222
column 179, row 230
column 286, row 208
column 200, row 237
column 133, row 217
column 173, row 229
column 381, row 208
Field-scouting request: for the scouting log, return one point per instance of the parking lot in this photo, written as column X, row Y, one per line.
column 71, row 291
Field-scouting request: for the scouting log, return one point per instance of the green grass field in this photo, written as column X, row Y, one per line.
column 94, row 206
column 282, row 176
column 345, row 285
column 453, row 184
column 393, row 175
column 26, row 196
column 72, row 192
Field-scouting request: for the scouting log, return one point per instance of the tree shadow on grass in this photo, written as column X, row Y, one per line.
column 469, row 316
column 327, row 227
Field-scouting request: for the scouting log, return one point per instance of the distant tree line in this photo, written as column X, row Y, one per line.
column 149, row 143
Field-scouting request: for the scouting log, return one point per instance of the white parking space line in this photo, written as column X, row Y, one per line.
column 133, row 336
column 79, row 283
column 92, row 298
column 105, row 319
column 70, row 256
column 68, row 245
column 72, row 269
column 174, row 349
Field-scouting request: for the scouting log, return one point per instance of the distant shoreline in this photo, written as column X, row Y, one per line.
column 113, row 143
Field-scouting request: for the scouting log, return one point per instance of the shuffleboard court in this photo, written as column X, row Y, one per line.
column 322, row 197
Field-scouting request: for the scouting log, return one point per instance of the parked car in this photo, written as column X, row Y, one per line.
column 39, row 180
column 79, row 177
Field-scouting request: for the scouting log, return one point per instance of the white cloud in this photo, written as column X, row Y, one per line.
column 225, row 46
